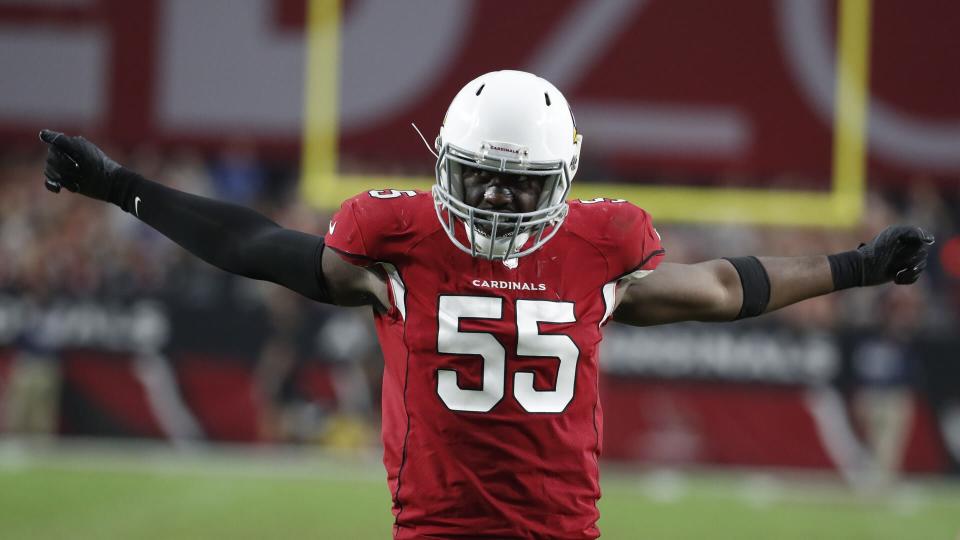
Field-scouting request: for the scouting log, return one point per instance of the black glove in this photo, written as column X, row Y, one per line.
column 79, row 166
column 897, row 254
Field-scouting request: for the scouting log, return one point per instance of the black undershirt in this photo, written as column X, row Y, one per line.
column 228, row 236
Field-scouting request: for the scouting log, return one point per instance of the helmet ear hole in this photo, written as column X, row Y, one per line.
column 575, row 159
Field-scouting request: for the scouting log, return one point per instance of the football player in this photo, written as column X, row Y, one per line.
column 490, row 293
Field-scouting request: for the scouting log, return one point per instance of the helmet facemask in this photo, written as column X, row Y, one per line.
column 494, row 234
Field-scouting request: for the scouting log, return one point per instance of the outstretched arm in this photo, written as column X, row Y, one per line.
column 231, row 237
column 729, row 289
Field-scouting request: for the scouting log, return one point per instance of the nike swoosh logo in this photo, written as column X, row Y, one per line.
column 136, row 206
column 333, row 227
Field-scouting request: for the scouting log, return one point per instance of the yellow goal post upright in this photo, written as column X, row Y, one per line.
column 324, row 186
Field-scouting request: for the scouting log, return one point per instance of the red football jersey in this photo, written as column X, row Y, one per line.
column 491, row 420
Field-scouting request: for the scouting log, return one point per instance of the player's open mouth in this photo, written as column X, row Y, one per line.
column 506, row 228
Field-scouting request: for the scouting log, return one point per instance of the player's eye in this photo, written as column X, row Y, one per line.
column 473, row 171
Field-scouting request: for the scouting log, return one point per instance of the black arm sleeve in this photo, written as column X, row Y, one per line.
column 228, row 236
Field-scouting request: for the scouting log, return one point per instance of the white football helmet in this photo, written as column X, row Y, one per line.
column 512, row 122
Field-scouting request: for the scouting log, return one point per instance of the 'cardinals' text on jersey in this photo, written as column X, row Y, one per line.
column 491, row 419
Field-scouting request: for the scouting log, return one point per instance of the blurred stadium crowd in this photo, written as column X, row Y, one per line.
column 314, row 372
column 71, row 251
column 70, row 245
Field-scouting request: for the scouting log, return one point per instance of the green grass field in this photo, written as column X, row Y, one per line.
column 107, row 492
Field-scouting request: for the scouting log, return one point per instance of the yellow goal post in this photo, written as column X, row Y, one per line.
column 323, row 186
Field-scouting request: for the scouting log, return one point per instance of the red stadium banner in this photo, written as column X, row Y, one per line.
column 678, row 395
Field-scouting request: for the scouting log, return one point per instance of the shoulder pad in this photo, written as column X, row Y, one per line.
column 621, row 230
column 380, row 224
